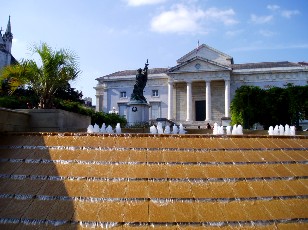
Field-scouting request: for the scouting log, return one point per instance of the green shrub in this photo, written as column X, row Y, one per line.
column 13, row 102
column 96, row 117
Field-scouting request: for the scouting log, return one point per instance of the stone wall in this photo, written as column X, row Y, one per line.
column 13, row 121
column 42, row 120
column 218, row 100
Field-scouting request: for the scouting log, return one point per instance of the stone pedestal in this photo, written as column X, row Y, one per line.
column 137, row 113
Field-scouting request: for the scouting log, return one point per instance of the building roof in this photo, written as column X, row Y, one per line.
column 177, row 67
column 261, row 65
column 13, row 60
column 303, row 63
column 134, row 72
column 202, row 47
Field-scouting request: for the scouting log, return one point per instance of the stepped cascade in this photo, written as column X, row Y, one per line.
column 145, row 181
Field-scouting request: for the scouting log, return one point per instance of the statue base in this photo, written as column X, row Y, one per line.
column 137, row 113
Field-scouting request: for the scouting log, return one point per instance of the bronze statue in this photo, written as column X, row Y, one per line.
column 141, row 80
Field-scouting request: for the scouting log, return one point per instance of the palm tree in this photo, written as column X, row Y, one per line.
column 56, row 70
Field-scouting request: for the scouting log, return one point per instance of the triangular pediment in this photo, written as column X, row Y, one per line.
column 198, row 64
column 209, row 53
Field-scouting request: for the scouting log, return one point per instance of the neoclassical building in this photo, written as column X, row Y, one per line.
column 6, row 57
column 199, row 89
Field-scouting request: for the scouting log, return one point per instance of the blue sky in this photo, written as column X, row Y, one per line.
column 113, row 35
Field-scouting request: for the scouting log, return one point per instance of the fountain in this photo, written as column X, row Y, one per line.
column 160, row 128
column 228, row 130
column 234, row 130
column 217, row 130
column 167, row 129
column 146, row 181
column 181, row 129
column 109, row 129
column 221, row 130
column 270, row 130
column 96, row 128
column 118, row 128
column 292, row 130
column 276, row 130
column 153, row 129
column 175, row 129
column 90, row 129
column 237, row 130
column 103, row 128
column 280, row 130
column 287, row 130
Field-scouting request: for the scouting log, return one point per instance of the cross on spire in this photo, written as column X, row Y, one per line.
column 198, row 46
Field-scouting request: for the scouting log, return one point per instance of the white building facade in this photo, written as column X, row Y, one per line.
column 199, row 89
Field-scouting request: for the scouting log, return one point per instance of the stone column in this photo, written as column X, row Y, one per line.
column 189, row 101
column 100, row 90
column 208, row 101
column 106, row 101
column 170, row 100
column 227, row 98
column 99, row 103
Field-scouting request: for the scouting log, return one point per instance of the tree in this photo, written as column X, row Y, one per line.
column 68, row 93
column 57, row 69
column 246, row 105
column 274, row 106
column 298, row 102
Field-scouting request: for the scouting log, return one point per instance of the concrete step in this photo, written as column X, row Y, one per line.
column 75, row 180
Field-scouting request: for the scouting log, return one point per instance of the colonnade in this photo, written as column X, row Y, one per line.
column 208, row 99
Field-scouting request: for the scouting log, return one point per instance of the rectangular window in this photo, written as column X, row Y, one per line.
column 155, row 93
column 155, row 110
column 122, row 109
column 123, row 94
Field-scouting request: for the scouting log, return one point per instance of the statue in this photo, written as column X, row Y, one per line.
column 141, row 80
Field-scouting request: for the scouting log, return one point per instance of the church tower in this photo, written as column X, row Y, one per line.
column 6, row 57
column 8, row 37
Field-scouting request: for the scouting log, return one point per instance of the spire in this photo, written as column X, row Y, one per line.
column 8, row 33
column 8, row 28
column 8, row 36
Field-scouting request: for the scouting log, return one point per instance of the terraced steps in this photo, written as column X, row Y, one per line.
column 78, row 181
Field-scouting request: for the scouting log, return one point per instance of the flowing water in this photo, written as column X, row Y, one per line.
column 82, row 180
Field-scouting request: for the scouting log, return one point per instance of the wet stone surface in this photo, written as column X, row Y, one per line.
column 80, row 181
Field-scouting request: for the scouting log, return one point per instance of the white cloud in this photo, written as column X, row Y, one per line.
column 143, row 2
column 273, row 7
column 266, row 33
column 283, row 13
column 181, row 19
column 225, row 16
column 233, row 33
column 260, row 19
column 289, row 13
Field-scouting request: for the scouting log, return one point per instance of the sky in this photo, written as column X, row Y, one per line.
column 113, row 35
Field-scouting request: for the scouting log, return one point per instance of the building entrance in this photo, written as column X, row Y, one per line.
column 200, row 110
